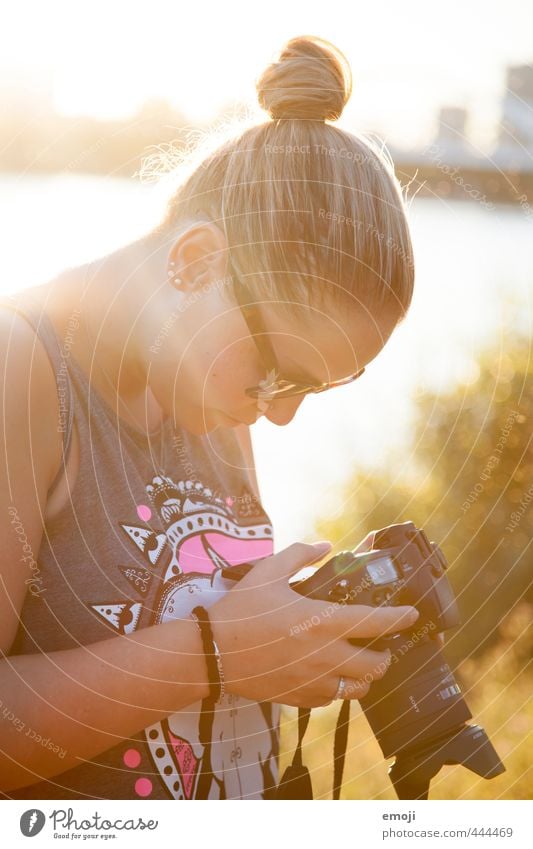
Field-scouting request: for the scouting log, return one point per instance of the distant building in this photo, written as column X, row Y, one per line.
column 450, row 143
column 452, row 126
column 515, row 140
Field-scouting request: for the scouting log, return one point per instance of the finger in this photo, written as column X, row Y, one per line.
column 363, row 664
column 327, row 692
column 361, row 621
column 281, row 566
column 354, row 689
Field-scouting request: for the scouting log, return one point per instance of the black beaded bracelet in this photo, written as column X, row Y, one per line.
column 212, row 655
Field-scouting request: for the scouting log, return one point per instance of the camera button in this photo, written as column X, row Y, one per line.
column 338, row 591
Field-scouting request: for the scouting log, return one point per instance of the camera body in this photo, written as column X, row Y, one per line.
column 418, row 699
column 404, row 568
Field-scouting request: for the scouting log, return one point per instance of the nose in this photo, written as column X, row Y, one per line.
column 282, row 411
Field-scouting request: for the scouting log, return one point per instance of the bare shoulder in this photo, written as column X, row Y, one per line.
column 29, row 392
column 29, row 459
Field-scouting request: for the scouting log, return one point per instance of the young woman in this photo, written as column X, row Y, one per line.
column 281, row 268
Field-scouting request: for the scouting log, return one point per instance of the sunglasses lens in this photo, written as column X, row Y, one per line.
column 290, row 390
column 280, row 392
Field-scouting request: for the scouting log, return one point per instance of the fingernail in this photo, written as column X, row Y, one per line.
column 322, row 545
column 413, row 615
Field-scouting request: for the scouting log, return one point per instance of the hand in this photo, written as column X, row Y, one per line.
column 279, row 646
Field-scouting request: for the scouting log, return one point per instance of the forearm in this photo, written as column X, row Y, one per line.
column 88, row 699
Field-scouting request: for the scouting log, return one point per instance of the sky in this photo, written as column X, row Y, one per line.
column 106, row 57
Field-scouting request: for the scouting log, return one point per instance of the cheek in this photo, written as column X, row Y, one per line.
column 228, row 377
column 213, row 374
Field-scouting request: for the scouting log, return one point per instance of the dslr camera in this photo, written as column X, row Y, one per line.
column 416, row 711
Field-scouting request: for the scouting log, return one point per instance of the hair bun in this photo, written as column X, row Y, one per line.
column 311, row 79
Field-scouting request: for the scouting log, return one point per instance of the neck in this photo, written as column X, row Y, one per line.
column 112, row 293
column 107, row 297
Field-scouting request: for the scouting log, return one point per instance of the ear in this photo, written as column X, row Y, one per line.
column 198, row 256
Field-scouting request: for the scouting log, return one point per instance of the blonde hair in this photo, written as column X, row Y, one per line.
column 312, row 214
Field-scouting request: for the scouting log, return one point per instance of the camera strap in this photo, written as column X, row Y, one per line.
column 340, row 744
column 296, row 782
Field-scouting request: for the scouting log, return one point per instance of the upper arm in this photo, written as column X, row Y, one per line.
column 30, row 452
column 245, row 441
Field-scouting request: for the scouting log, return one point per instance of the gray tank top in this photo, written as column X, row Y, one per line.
column 149, row 523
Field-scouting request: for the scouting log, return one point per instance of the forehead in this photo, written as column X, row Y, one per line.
column 326, row 345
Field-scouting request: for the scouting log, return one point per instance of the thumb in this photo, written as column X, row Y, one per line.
column 290, row 560
column 367, row 544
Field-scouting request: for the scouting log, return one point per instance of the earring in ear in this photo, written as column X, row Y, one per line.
column 172, row 274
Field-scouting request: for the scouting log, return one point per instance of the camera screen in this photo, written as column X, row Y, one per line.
column 382, row 571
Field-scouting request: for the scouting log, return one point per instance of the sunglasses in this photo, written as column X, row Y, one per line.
column 274, row 386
